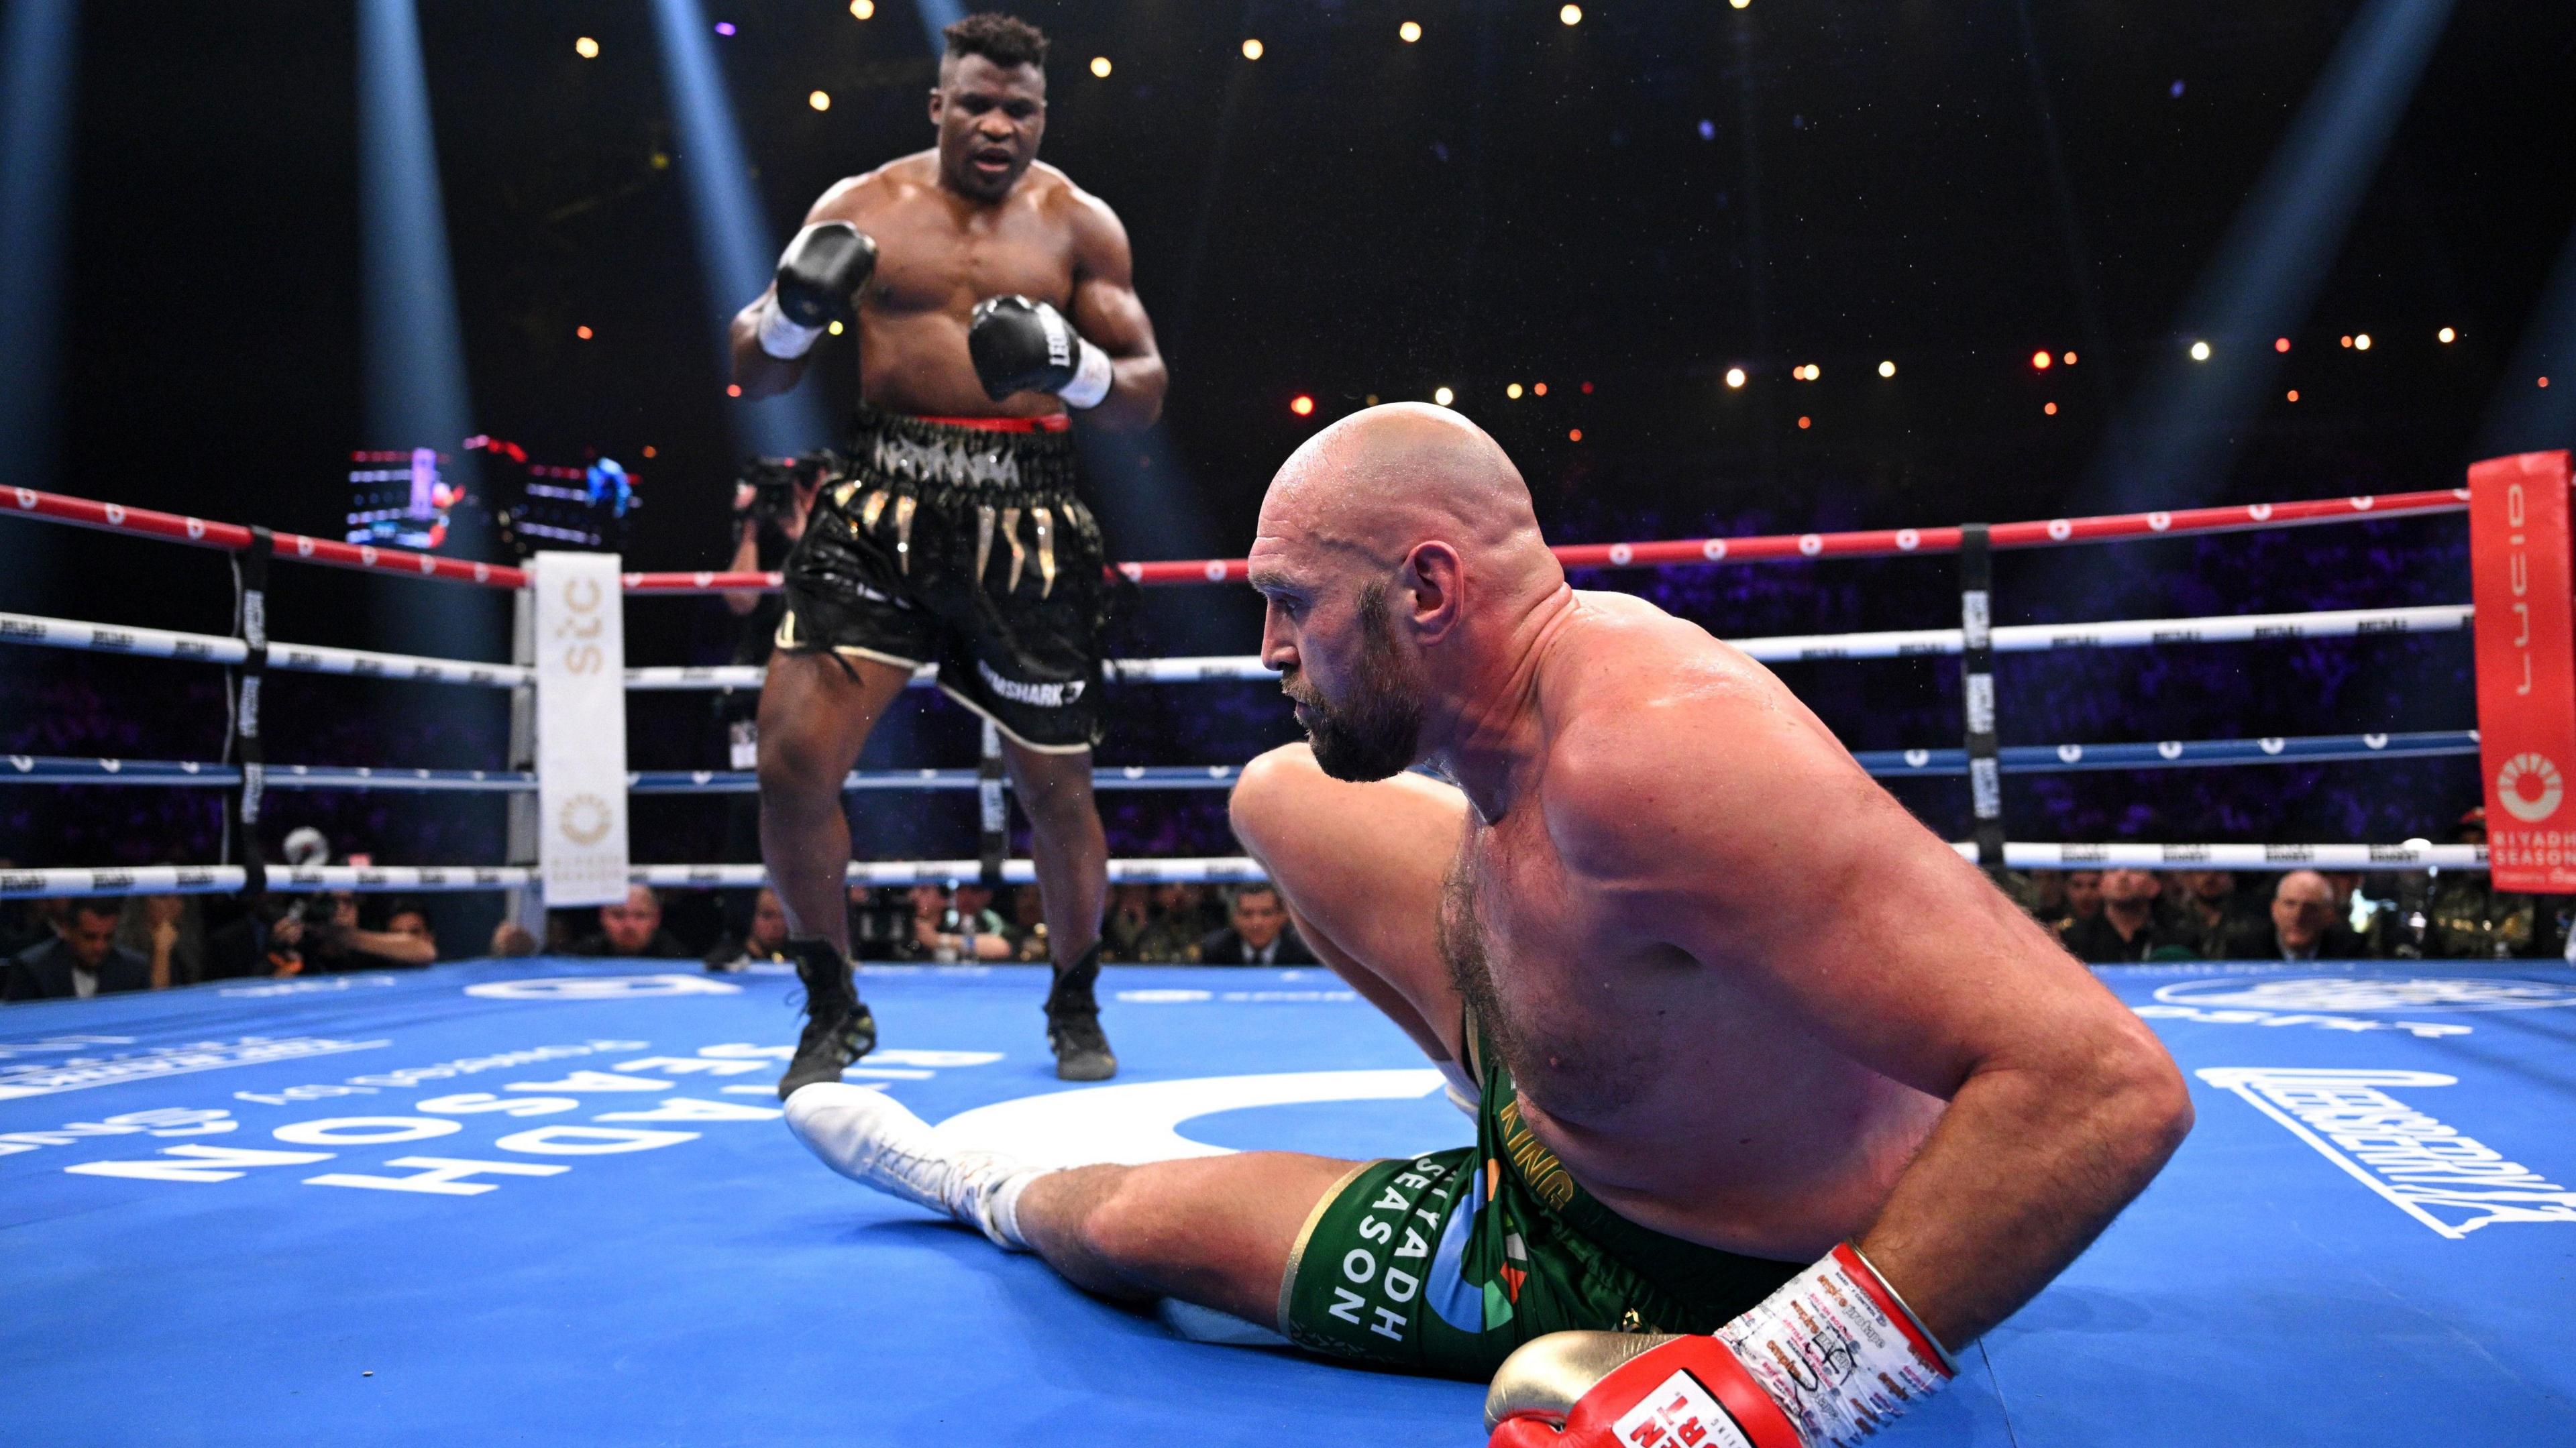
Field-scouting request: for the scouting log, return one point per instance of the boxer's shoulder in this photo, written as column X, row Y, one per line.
column 866, row 198
column 1664, row 745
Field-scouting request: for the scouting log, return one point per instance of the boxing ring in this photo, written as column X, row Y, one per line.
column 550, row 1200
column 545, row 1201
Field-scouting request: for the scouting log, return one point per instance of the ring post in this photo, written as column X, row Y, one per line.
column 996, row 812
column 1977, row 693
column 523, row 905
column 2520, row 574
column 246, row 748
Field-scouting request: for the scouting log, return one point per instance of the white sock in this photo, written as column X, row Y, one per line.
column 1002, row 1208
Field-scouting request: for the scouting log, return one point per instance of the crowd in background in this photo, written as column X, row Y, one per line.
column 56, row 948
column 2112, row 917
column 102, row 945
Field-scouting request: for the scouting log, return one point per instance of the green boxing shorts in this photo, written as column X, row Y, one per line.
column 1444, row 1263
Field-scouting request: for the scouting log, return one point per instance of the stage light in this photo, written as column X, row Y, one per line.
column 819, row 100
column 733, row 389
column 1442, row 396
column 1252, row 50
column 1513, row 392
column 2049, row 408
column 2347, row 339
column 2446, row 336
column 1408, row 32
column 650, row 451
column 1587, row 389
column 2544, row 382
column 1302, row 405
column 582, row 332
column 1100, row 66
column 586, row 48
column 724, row 27
column 2200, row 351
column 1370, row 400
column 1739, row 4
column 2294, row 394
column 835, row 327
column 1735, row 377
column 2361, row 341
column 1571, row 15
column 2041, row 361
column 1538, row 389
column 863, row 9
column 1806, row 422
column 2280, row 344
column 1886, row 369
column 2068, row 359
column 1574, row 434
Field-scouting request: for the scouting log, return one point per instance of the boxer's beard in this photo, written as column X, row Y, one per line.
column 1371, row 734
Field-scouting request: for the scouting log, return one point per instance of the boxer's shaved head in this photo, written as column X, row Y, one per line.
column 1378, row 482
column 1395, row 532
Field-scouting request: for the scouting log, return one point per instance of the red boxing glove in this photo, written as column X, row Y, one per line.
column 1824, row 1362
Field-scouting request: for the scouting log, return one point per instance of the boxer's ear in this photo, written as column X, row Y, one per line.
column 1435, row 580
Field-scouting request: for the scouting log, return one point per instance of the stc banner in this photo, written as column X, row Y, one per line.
column 2526, row 641
column 581, row 727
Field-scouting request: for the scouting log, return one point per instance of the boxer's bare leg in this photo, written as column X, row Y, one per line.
column 1362, row 867
column 1071, row 853
column 816, row 711
column 1213, row 1230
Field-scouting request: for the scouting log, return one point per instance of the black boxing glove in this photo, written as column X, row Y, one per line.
column 819, row 272
column 1025, row 346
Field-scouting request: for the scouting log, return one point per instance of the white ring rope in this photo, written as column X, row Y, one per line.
column 426, row 879
column 19, row 628
column 153, row 643
column 1794, row 648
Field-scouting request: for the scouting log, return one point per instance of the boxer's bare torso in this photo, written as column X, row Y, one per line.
column 940, row 252
column 1674, row 1088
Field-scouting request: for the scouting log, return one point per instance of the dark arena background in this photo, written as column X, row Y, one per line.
column 451, row 278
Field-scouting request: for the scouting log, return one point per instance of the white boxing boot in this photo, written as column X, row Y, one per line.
column 871, row 1138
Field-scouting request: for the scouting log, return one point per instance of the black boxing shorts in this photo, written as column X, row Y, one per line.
column 938, row 542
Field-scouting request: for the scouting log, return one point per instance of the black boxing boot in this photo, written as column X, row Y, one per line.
column 1073, row 1023
column 838, row 1027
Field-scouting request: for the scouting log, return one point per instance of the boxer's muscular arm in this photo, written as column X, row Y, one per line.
column 1106, row 310
column 1775, row 860
column 754, row 371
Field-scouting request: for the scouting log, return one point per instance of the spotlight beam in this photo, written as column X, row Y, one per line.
column 2175, row 441
column 35, row 152
column 736, row 250
column 416, row 390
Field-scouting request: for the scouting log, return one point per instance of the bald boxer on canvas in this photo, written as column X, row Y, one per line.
column 1757, row 1061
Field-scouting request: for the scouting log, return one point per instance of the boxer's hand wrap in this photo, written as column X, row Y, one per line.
column 1023, row 346
column 1824, row 1362
column 817, row 275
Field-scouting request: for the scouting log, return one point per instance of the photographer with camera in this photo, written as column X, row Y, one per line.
column 770, row 504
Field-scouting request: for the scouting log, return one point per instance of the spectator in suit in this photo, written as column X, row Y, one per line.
column 2126, row 929
column 82, row 960
column 2303, row 926
column 1259, row 933
column 633, row 927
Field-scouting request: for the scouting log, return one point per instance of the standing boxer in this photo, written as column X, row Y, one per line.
column 990, row 295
